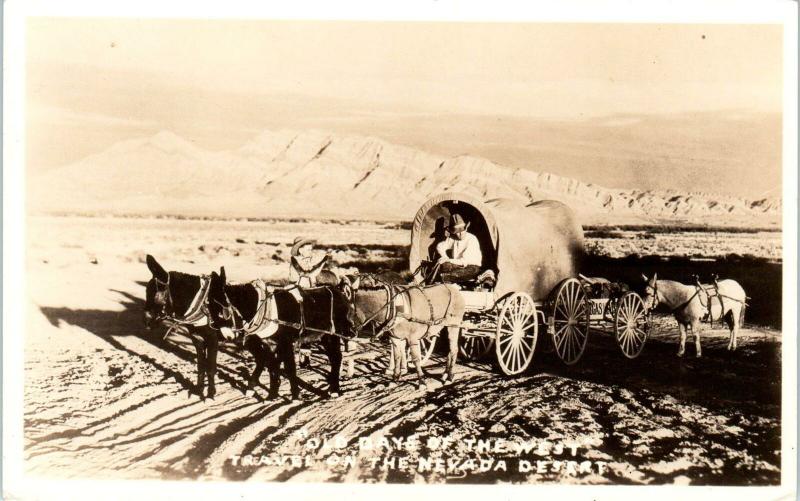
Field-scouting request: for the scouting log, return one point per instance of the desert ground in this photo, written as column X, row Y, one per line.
column 104, row 398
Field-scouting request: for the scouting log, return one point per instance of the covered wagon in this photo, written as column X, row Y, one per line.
column 531, row 255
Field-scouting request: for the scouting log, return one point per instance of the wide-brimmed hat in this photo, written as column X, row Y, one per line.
column 439, row 227
column 456, row 223
column 299, row 242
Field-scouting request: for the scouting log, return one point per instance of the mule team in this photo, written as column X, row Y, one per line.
column 271, row 321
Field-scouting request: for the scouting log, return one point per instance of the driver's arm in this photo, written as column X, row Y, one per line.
column 441, row 250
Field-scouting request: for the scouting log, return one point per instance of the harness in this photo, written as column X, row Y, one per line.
column 197, row 310
column 262, row 321
column 701, row 290
column 401, row 293
column 716, row 295
column 258, row 323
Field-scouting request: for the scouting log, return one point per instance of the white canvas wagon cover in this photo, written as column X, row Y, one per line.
column 531, row 248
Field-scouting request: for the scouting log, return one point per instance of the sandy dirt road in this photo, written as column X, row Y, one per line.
column 106, row 398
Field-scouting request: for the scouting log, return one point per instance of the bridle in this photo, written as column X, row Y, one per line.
column 349, row 293
column 229, row 313
column 654, row 289
column 197, row 309
column 391, row 313
column 164, row 298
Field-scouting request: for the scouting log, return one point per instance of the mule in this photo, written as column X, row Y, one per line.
column 180, row 300
column 325, row 277
column 408, row 314
column 285, row 317
column 377, row 280
column 690, row 304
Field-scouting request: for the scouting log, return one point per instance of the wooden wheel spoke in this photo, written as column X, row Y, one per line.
column 504, row 351
column 518, row 356
column 519, row 310
column 561, row 346
column 516, row 333
column 572, row 294
column 626, row 341
column 571, row 343
column 505, row 339
column 634, row 340
column 560, row 307
column 560, row 339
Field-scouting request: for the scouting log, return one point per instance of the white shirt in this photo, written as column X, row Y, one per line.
column 302, row 278
column 463, row 252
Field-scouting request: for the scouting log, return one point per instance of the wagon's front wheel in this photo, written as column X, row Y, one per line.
column 631, row 324
column 517, row 330
column 570, row 321
column 473, row 347
column 426, row 347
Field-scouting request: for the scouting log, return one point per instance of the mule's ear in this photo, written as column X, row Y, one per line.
column 222, row 273
column 156, row 269
column 655, row 277
column 356, row 283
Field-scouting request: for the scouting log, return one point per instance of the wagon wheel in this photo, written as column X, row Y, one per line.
column 631, row 324
column 570, row 321
column 474, row 347
column 517, row 330
column 426, row 346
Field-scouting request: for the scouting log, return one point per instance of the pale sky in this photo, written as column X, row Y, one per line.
column 522, row 69
column 94, row 81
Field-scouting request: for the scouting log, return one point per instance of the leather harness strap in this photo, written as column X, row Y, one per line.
column 698, row 289
column 265, row 319
column 394, row 292
column 198, row 307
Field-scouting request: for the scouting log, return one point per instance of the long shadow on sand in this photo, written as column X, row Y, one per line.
column 110, row 325
column 748, row 379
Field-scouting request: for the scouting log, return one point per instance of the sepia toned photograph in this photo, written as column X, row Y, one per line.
column 405, row 252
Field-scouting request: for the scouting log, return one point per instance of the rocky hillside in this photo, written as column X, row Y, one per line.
column 289, row 173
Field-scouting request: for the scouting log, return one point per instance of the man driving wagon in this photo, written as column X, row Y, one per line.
column 458, row 256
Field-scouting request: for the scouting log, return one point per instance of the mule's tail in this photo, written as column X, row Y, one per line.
column 741, row 314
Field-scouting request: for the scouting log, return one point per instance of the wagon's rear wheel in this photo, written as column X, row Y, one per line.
column 517, row 330
column 426, row 347
column 631, row 324
column 474, row 347
column 570, row 321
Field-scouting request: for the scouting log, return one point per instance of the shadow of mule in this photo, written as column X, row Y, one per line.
column 109, row 325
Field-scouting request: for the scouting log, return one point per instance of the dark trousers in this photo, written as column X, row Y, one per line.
column 453, row 273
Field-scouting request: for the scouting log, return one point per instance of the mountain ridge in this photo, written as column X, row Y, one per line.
column 315, row 172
